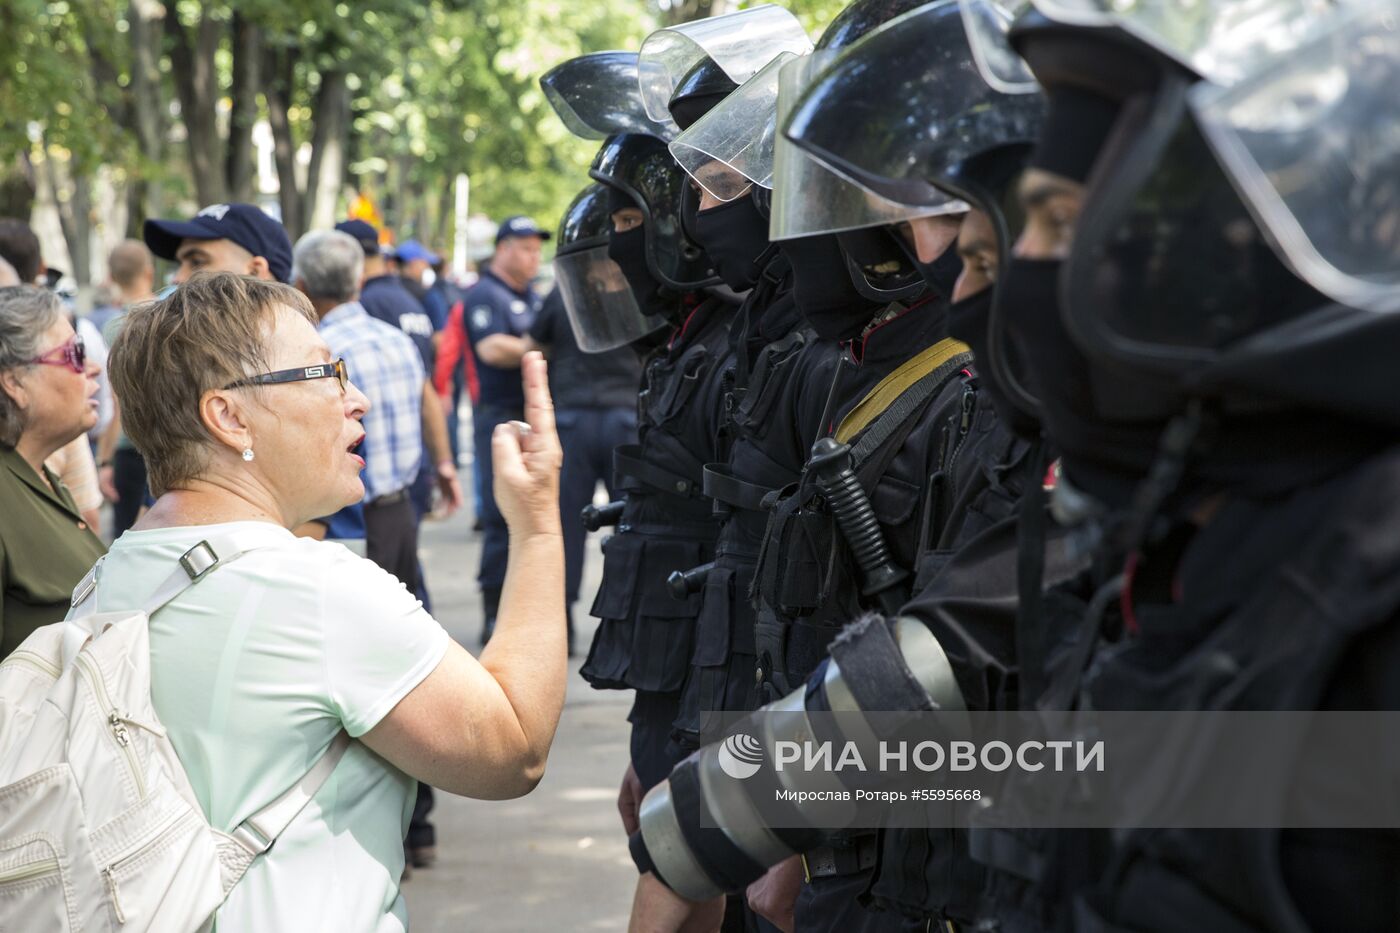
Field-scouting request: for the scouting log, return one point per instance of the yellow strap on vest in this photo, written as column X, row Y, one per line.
column 896, row 384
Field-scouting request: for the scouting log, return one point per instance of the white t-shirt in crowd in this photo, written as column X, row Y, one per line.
column 255, row 669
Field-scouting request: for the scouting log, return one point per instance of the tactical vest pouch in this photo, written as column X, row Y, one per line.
column 722, row 665
column 766, row 384
column 798, row 554
column 678, row 381
column 661, row 558
column 712, row 626
column 622, row 561
column 894, row 500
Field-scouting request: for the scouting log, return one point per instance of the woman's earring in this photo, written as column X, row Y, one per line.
column 247, row 454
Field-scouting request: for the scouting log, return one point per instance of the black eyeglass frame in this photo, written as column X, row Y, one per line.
column 335, row 369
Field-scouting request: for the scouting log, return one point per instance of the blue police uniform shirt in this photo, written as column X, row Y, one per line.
column 493, row 307
column 386, row 298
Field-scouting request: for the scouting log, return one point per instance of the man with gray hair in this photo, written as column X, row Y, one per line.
column 384, row 364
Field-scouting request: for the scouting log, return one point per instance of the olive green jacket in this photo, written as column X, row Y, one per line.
column 45, row 548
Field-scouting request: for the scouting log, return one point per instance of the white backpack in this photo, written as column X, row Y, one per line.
column 99, row 826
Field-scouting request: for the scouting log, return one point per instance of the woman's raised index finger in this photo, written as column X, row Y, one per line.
column 539, row 407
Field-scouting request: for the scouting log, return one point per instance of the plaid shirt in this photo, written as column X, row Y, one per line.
column 386, row 367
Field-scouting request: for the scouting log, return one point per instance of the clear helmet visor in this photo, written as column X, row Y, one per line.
column 600, row 305
column 1221, row 40
column 738, row 134
column 597, row 96
column 808, row 198
column 740, row 43
column 909, row 100
column 1311, row 142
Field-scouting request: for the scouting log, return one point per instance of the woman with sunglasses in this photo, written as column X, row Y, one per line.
column 47, row 398
column 249, row 427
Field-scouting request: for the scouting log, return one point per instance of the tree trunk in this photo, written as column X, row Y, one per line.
column 74, row 214
column 327, row 170
column 279, row 68
column 145, row 195
column 197, row 84
column 247, row 51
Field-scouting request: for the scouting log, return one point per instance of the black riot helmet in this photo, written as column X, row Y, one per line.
column 684, row 70
column 946, row 68
column 860, row 18
column 642, row 168
column 597, row 96
column 602, row 309
column 1210, row 227
column 877, row 260
column 810, row 200
column 698, row 91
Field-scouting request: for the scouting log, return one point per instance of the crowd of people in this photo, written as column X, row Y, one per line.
column 974, row 358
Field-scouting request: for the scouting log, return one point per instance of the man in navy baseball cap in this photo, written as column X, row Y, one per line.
column 223, row 238
column 364, row 232
column 521, row 226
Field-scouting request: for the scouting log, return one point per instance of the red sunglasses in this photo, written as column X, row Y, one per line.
column 72, row 354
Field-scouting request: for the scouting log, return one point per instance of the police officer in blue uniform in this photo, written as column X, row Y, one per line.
column 499, row 310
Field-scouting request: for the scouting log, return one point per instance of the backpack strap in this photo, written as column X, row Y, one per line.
column 194, row 565
column 258, row 832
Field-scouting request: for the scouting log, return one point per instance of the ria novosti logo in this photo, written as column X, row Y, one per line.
column 740, row 756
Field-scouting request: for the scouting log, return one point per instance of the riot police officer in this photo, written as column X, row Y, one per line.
column 632, row 232
column 999, row 466
column 1265, row 480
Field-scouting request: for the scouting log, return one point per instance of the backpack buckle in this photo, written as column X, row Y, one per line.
column 199, row 560
column 86, row 585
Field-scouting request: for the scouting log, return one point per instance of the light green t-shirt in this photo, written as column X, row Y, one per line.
column 255, row 669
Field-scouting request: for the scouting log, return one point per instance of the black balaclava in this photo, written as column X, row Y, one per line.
column 629, row 251
column 1103, row 455
column 969, row 320
column 942, row 273
column 822, row 287
column 735, row 237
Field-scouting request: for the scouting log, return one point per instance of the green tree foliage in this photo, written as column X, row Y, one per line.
column 393, row 98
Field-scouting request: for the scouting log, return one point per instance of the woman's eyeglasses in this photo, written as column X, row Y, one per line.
column 72, row 354
column 338, row 370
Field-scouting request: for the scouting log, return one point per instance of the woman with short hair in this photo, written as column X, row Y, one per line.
column 249, row 428
column 47, row 399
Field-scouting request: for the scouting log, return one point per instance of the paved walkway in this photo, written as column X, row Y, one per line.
column 557, row 859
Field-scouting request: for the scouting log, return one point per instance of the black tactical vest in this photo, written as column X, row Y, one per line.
column 772, row 409
column 645, row 637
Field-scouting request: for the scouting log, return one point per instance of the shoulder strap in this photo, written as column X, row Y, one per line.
column 194, row 565
column 258, row 832
column 931, row 366
column 915, row 388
